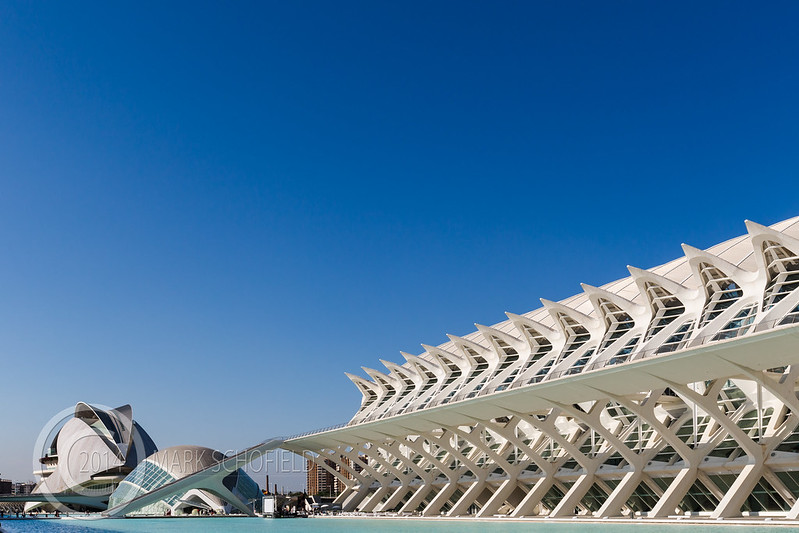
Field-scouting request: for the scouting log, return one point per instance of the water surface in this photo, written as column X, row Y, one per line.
column 343, row 525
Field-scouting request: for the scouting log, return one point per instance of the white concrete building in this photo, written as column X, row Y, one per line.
column 227, row 492
column 666, row 393
column 87, row 458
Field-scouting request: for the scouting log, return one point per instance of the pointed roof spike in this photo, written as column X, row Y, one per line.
column 358, row 379
column 679, row 290
column 465, row 345
column 461, row 340
column 387, row 364
column 754, row 227
column 377, row 375
column 635, row 271
column 364, row 385
column 696, row 255
column 590, row 289
column 433, row 366
column 399, row 369
column 519, row 322
column 489, row 333
column 594, row 326
column 465, row 360
column 541, row 328
column 403, row 373
column 441, row 351
column 352, row 376
column 758, row 231
column 597, row 293
column 669, row 284
column 439, row 354
column 570, row 311
column 443, row 364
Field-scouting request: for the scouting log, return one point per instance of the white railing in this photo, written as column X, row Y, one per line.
column 317, row 431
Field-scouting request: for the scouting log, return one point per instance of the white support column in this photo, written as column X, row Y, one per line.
column 374, row 473
column 497, row 499
column 784, row 391
column 347, row 498
column 359, row 493
column 354, row 499
column 503, row 492
column 677, row 490
column 404, row 488
column 434, row 507
column 374, row 503
column 344, row 496
column 510, row 485
column 469, row 497
column 450, row 488
column 571, row 500
column 418, row 497
column 615, row 501
column 533, row 496
column 476, row 489
column 682, row 483
column 350, row 500
column 579, row 488
column 730, row 504
column 374, row 499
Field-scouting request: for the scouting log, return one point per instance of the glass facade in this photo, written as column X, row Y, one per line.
column 149, row 476
column 144, row 478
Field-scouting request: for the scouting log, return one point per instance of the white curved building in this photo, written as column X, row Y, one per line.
column 88, row 457
column 231, row 490
column 669, row 392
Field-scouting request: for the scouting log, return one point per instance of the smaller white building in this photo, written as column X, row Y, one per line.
column 220, row 494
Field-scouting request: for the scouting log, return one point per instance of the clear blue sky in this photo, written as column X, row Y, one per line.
column 211, row 211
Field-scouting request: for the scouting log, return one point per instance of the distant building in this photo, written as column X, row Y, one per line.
column 320, row 480
column 6, row 486
column 21, row 489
